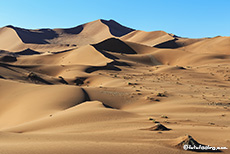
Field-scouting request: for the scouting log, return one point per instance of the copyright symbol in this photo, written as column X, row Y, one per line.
column 185, row 147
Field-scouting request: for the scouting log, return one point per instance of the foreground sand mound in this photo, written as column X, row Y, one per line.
column 187, row 141
column 158, row 127
column 36, row 101
column 87, row 112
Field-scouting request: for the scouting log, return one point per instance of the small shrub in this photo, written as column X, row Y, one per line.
column 151, row 119
column 164, row 116
column 161, row 95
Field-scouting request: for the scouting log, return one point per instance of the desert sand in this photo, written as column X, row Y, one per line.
column 102, row 87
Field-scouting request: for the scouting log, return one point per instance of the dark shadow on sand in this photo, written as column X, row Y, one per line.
column 114, row 45
column 106, row 67
column 116, row 29
column 172, row 44
column 35, row 36
column 74, row 30
column 28, row 51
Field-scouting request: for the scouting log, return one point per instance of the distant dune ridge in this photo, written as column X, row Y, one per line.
column 102, row 87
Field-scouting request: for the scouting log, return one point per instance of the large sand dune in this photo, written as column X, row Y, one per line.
column 101, row 87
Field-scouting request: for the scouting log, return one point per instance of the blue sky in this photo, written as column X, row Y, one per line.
column 186, row 18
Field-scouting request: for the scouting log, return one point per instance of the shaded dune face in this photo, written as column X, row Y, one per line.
column 75, row 30
column 35, row 36
column 114, row 45
column 27, row 52
column 116, row 29
column 177, row 43
column 8, row 58
column 169, row 44
column 101, row 87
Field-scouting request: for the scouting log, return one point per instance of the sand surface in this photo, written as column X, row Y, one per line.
column 104, row 88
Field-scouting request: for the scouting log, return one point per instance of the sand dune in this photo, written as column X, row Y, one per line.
column 9, row 39
column 114, row 45
column 15, row 39
column 148, row 38
column 91, row 33
column 218, row 45
column 101, row 87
